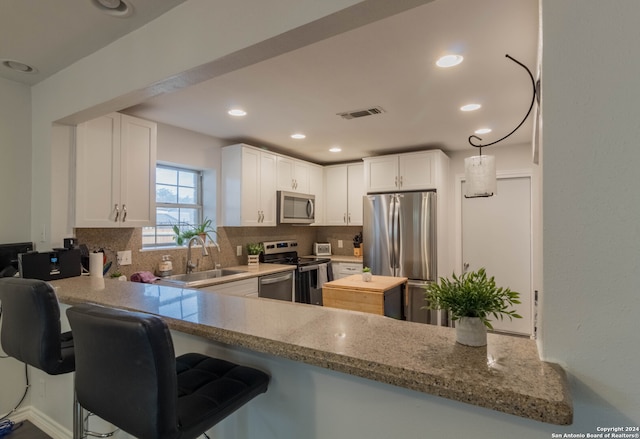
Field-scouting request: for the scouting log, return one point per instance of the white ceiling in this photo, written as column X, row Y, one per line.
column 51, row 35
column 389, row 63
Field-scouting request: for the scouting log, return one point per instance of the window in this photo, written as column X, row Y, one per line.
column 178, row 202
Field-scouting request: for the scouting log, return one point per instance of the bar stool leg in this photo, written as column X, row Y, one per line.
column 77, row 418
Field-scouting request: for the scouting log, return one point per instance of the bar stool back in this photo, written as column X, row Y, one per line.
column 128, row 375
column 31, row 330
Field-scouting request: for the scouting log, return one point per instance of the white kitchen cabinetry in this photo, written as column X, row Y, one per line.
column 344, row 269
column 115, row 172
column 248, row 186
column 404, row 172
column 293, row 175
column 245, row 288
column 344, row 189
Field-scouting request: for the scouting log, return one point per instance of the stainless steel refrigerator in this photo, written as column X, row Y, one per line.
column 399, row 239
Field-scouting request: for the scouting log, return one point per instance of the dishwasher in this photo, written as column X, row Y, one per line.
column 276, row 286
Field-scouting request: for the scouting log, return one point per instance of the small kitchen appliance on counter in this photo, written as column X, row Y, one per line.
column 56, row 264
column 322, row 249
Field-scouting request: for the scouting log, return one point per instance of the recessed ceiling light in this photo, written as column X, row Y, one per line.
column 449, row 60
column 237, row 112
column 298, row 136
column 335, row 149
column 470, row 107
column 18, row 66
column 116, row 8
column 483, row 131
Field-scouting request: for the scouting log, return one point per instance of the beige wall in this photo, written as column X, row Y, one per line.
column 15, row 162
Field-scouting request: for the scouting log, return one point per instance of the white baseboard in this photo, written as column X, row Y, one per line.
column 43, row 422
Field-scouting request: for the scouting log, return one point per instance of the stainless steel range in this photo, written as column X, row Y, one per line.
column 310, row 272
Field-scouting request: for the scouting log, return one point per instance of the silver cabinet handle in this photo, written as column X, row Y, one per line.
column 117, row 213
column 344, row 218
column 396, row 181
column 124, row 212
column 349, row 218
column 401, row 181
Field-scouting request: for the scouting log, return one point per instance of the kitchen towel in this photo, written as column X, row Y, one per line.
column 96, row 264
column 145, row 277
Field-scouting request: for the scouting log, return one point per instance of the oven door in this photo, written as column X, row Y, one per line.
column 309, row 281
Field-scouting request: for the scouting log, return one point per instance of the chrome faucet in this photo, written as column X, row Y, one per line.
column 191, row 265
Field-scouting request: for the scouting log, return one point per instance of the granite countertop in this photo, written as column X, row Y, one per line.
column 507, row 375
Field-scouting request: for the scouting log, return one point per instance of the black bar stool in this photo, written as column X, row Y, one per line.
column 31, row 330
column 128, row 375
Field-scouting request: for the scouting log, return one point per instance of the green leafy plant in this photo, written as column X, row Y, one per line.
column 182, row 236
column 366, row 270
column 472, row 294
column 115, row 275
column 255, row 248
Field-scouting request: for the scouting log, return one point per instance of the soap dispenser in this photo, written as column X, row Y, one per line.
column 165, row 267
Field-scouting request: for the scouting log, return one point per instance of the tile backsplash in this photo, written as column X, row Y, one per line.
column 112, row 240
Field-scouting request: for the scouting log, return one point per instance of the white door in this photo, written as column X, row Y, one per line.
column 496, row 235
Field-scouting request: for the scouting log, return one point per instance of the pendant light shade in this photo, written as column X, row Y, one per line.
column 480, row 176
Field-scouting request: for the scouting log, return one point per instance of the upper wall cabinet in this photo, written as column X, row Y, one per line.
column 115, row 172
column 248, row 186
column 293, row 175
column 344, row 189
column 404, row 172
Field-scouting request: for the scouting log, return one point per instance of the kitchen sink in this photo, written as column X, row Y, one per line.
column 199, row 279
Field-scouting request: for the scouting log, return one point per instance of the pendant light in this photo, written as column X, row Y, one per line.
column 480, row 176
column 480, row 170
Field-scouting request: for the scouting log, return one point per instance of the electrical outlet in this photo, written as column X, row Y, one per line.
column 239, row 250
column 124, row 257
column 339, row 243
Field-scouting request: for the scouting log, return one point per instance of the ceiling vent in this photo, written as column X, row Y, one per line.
column 361, row 113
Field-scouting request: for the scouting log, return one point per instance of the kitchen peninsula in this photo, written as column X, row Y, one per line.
column 506, row 376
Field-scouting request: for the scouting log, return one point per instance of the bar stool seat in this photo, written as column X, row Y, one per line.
column 128, row 375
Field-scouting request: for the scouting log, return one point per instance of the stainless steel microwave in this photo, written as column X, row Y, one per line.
column 294, row 208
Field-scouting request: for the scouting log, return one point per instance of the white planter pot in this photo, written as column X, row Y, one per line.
column 470, row 331
column 253, row 260
column 367, row 277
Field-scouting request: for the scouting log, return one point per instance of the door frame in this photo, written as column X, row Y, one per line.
column 501, row 175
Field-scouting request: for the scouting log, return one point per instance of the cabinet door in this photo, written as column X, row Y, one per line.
column 250, row 191
column 293, row 175
column 98, row 172
column 355, row 189
column 336, row 195
column 301, row 177
column 267, row 189
column 285, row 179
column 417, row 171
column 138, row 172
column 381, row 174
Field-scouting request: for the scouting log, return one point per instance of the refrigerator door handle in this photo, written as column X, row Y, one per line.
column 395, row 235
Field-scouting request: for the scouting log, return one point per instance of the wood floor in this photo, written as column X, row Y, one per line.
column 26, row 431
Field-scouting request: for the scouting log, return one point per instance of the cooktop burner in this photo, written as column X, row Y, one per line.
column 284, row 252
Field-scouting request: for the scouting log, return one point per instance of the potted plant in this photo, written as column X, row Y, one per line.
column 366, row 274
column 472, row 298
column 203, row 230
column 254, row 250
